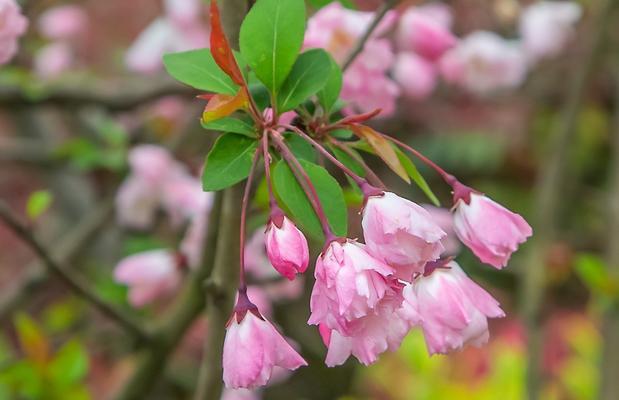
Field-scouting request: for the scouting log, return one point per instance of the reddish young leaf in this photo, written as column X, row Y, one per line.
column 222, row 105
column 383, row 149
column 355, row 119
column 220, row 48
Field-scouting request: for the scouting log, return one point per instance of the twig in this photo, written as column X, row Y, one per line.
column 548, row 199
column 77, row 284
column 380, row 14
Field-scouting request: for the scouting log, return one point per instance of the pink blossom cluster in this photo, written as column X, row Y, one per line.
column 367, row 297
column 61, row 26
column 180, row 28
column 12, row 26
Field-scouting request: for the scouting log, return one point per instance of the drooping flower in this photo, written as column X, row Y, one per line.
column 253, row 348
column 450, row 308
column 401, row 234
column 350, row 283
column 286, row 247
column 490, row 230
column 546, row 27
column 484, row 62
column 150, row 275
column 12, row 25
column 63, row 22
column 425, row 30
column 416, row 76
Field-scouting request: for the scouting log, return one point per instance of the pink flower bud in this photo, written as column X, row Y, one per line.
column 286, row 247
column 451, row 309
column 150, row 275
column 12, row 25
column 252, row 349
column 350, row 283
column 490, row 230
column 401, row 234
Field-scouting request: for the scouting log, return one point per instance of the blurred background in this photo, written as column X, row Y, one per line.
column 522, row 104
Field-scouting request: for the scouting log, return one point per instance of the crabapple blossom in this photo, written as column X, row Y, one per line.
column 12, row 25
column 450, row 308
column 484, row 62
column 401, row 234
column 53, row 59
column 490, row 230
column 416, row 75
column 62, row 22
column 149, row 275
column 350, row 284
column 444, row 219
column 253, row 348
column 286, row 247
column 546, row 27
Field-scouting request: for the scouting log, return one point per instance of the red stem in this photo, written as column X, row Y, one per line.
column 242, row 284
column 267, row 170
column 305, row 182
column 371, row 174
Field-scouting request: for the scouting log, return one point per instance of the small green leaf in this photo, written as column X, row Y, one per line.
column 70, row 364
column 348, row 160
column 271, row 37
column 198, row 69
column 413, row 172
column 309, row 74
column 38, row 203
column 331, row 92
column 341, row 134
column 300, row 148
column 294, row 198
column 228, row 162
column 232, row 125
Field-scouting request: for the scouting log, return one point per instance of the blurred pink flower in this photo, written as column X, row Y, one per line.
column 451, row 309
column 546, row 27
column 136, row 204
column 12, row 25
column 252, row 349
column 286, row 246
column 184, row 11
column 416, row 75
column 256, row 261
column 444, row 219
column 53, row 59
column 484, row 62
column 63, row 22
column 239, row 394
column 425, row 30
column 350, row 284
column 401, row 234
column 490, row 230
column 150, row 275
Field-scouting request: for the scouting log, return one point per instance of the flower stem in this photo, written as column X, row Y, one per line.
column 245, row 203
column 371, row 174
column 267, row 171
column 305, row 183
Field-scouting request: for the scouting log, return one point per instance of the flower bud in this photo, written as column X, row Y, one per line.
column 286, row 247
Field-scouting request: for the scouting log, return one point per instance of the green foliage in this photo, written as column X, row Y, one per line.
column 271, row 37
column 38, row 202
column 295, row 199
column 198, row 69
column 419, row 180
column 322, row 3
column 232, row 125
column 228, row 162
column 329, row 95
column 300, row 147
column 309, row 74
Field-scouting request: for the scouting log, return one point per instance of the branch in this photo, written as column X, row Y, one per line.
column 380, row 14
column 548, row 197
column 77, row 284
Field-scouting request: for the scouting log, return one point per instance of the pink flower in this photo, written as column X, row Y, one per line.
column 252, row 349
column 350, row 284
column 546, row 27
column 425, row 30
column 136, row 204
column 484, row 62
column 256, row 261
column 63, row 22
column 444, row 219
column 401, row 233
column 286, row 247
column 451, row 309
column 12, row 25
column 490, row 230
column 150, row 275
column 53, row 59
column 416, row 76
column 239, row 394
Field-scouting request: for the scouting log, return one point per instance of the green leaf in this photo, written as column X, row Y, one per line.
column 331, row 92
column 232, row 125
column 38, row 203
column 413, row 172
column 198, row 69
column 32, row 339
column 228, row 162
column 341, row 134
column 322, row 3
column 271, row 37
column 348, row 161
column 300, row 147
column 70, row 364
column 294, row 198
column 309, row 74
